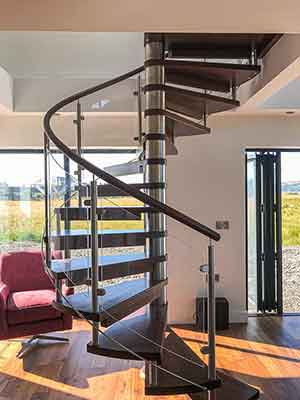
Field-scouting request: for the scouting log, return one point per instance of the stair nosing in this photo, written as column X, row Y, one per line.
column 155, row 355
column 209, row 64
column 63, row 306
column 204, row 96
column 88, row 260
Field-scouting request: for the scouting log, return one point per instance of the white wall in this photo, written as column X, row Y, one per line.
column 206, row 180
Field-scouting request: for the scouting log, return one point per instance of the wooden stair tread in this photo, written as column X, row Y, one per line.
column 218, row 45
column 208, row 75
column 129, row 168
column 194, row 104
column 106, row 213
column 83, row 232
column 159, row 382
column 80, row 239
column 194, row 128
column 120, row 300
column 114, row 266
column 107, row 190
column 151, row 324
column 230, row 389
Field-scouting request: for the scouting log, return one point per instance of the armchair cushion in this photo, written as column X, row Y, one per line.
column 24, row 270
column 31, row 306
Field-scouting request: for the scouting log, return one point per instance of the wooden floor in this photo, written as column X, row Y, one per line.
column 265, row 353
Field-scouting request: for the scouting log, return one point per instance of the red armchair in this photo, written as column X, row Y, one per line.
column 26, row 294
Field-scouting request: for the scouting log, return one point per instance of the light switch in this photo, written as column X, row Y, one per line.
column 222, row 225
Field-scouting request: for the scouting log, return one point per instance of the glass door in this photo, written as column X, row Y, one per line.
column 251, row 233
column 264, row 232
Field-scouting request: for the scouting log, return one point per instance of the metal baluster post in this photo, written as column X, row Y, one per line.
column 211, row 313
column 67, row 203
column 94, row 249
column 47, row 203
column 77, row 122
column 253, row 55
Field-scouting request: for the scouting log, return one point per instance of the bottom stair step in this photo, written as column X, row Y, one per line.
column 159, row 382
column 150, row 323
column 230, row 389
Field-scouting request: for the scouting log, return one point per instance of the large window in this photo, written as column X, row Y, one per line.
column 22, row 191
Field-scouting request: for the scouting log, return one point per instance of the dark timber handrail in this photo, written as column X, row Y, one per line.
column 161, row 207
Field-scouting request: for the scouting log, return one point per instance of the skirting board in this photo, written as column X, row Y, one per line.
column 235, row 317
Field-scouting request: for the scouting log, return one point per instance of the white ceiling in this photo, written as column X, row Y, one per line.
column 152, row 15
column 70, row 54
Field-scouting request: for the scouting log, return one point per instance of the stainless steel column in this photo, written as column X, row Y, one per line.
column 94, row 249
column 155, row 149
column 139, row 106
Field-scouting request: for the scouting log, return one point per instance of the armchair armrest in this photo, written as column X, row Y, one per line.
column 4, row 292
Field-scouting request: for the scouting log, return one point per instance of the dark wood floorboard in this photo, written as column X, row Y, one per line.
column 265, row 353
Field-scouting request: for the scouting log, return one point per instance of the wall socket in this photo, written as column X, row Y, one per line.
column 222, row 225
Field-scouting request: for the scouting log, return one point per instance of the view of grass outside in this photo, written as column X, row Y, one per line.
column 291, row 251
column 290, row 219
column 24, row 220
column 22, row 196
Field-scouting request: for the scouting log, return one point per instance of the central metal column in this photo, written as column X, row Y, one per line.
column 155, row 149
column 77, row 122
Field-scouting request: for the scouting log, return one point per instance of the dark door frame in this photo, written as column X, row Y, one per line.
column 272, row 215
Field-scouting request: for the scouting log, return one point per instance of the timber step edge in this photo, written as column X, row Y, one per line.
column 80, row 239
column 120, row 300
column 150, row 324
column 106, row 213
column 108, row 190
column 209, row 75
column 195, row 104
column 195, row 373
column 110, row 266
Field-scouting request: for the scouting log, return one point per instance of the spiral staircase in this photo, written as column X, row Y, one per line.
column 187, row 77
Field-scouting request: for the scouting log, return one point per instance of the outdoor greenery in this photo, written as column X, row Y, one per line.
column 24, row 220
column 291, row 219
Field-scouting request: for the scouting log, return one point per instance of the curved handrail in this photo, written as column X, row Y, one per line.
column 164, row 208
